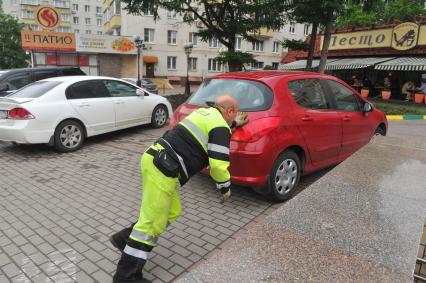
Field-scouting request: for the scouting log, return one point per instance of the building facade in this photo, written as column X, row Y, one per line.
column 79, row 16
column 164, row 55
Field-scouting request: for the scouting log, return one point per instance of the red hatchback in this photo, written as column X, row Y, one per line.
column 299, row 122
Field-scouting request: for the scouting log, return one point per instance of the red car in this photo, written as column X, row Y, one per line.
column 299, row 122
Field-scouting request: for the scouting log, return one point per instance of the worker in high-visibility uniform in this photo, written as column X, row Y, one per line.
column 202, row 139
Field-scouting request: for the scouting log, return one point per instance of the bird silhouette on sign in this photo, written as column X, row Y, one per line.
column 408, row 37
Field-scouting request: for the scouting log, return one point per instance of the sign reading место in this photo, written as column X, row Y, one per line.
column 53, row 41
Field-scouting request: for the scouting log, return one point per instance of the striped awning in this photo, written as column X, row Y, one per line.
column 403, row 64
column 301, row 64
column 355, row 63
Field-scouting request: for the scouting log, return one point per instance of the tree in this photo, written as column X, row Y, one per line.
column 11, row 53
column 222, row 20
column 403, row 10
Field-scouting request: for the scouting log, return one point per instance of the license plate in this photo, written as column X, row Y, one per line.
column 3, row 114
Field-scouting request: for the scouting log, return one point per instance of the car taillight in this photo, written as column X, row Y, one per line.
column 255, row 130
column 19, row 114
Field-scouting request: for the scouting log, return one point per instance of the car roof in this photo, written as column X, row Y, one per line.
column 79, row 78
column 262, row 75
column 36, row 69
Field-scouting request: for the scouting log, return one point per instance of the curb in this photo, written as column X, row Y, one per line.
column 406, row 117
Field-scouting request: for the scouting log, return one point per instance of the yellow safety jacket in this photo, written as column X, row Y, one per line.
column 202, row 139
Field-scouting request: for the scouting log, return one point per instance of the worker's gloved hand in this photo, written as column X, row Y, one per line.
column 241, row 119
column 226, row 194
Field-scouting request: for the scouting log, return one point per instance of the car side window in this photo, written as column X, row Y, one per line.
column 18, row 81
column 120, row 89
column 309, row 93
column 87, row 89
column 44, row 75
column 345, row 99
column 72, row 72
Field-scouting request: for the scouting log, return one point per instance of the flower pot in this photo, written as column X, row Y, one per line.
column 419, row 97
column 386, row 94
column 364, row 92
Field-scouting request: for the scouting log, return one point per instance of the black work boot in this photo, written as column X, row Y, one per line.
column 129, row 267
column 119, row 239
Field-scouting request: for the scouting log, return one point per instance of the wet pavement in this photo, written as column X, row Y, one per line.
column 360, row 222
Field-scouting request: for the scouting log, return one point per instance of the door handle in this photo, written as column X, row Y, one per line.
column 307, row 118
column 83, row 104
column 119, row 102
column 347, row 118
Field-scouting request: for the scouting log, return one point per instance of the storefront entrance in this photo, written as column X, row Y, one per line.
column 149, row 70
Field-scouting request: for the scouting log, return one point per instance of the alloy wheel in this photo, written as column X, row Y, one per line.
column 70, row 136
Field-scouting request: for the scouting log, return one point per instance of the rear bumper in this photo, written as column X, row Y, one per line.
column 23, row 132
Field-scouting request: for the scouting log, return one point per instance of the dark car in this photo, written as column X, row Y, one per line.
column 13, row 79
column 147, row 84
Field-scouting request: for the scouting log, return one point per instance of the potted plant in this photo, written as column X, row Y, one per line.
column 419, row 97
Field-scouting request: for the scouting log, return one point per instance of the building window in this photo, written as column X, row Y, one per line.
column 257, row 65
column 63, row 29
column 33, row 27
column 292, row 28
column 75, row 7
column 117, row 7
column 62, row 4
column 276, row 46
column 26, row 2
column 87, row 21
column 171, row 14
column 88, row 31
column 77, row 31
column 149, row 35
column 65, row 17
column 238, row 41
column 192, row 64
column 99, row 32
column 171, row 37
column 75, row 20
column 171, row 62
column 306, row 29
column 99, row 10
column 257, row 46
column 148, row 12
column 87, row 8
column 193, row 38
column 275, row 65
column 99, row 22
column 214, row 65
column 27, row 14
column 214, row 43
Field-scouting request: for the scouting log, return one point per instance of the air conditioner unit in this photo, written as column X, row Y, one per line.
column 199, row 24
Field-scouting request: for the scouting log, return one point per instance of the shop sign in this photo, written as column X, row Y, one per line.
column 402, row 37
column 52, row 41
column 106, row 44
column 47, row 17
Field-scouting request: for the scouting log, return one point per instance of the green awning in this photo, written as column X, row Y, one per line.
column 355, row 63
column 301, row 64
column 403, row 64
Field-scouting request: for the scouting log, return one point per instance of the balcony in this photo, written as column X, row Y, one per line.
column 115, row 21
column 30, row 2
column 263, row 33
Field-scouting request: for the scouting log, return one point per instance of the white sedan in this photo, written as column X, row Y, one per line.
column 63, row 111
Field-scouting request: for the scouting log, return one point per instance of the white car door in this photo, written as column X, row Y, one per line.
column 91, row 100
column 131, row 109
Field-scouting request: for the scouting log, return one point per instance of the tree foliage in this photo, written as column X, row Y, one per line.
column 11, row 53
column 237, row 58
column 293, row 44
column 223, row 19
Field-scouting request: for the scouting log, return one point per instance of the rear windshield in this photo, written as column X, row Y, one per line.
column 35, row 90
column 251, row 95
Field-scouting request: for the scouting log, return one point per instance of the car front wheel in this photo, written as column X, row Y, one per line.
column 159, row 116
column 285, row 176
column 380, row 131
column 69, row 136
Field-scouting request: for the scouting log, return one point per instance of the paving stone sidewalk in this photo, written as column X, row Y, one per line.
column 57, row 212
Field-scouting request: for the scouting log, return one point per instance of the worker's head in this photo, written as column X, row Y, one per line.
column 228, row 106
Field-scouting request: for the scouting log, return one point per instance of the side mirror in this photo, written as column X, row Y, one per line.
column 140, row 93
column 367, row 107
column 4, row 87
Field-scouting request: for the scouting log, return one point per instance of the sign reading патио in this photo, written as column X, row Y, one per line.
column 402, row 37
column 48, row 40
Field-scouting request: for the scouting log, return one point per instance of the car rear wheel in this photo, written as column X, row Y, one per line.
column 285, row 176
column 69, row 136
column 159, row 116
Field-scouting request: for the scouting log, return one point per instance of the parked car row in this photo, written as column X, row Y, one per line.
column 299, row 121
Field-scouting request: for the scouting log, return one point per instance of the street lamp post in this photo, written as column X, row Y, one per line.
column 139, row 45
column 188, row 50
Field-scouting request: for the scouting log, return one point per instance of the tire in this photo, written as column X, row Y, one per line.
column 159, row 116
column 69, row 136
column 285, row 175
column 380, row 131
